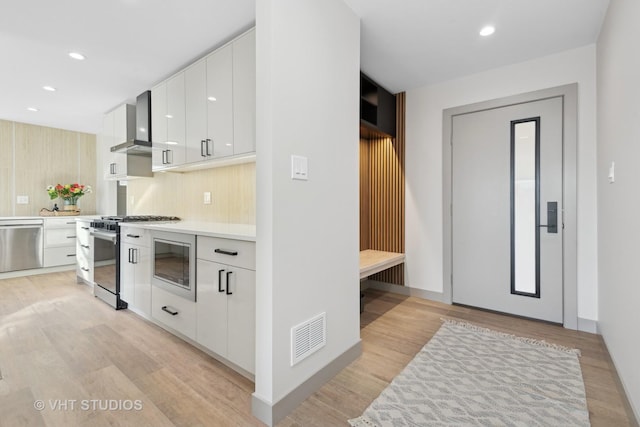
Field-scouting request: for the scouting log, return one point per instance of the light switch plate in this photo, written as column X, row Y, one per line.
column 612, row 173
column 207, row 198
column 299, row 168
column 22, row 200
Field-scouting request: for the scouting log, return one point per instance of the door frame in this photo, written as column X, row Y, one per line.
column 569, row 95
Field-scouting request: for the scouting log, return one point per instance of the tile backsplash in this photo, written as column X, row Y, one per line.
column 232, row 188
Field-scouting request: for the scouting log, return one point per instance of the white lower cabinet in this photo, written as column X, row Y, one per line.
column 59, row 241
column 135, row 270
column 174, row 311
column 226, row 305
column 84, row 254
column 226, row 312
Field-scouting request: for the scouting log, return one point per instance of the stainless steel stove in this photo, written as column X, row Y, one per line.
column 105, row 236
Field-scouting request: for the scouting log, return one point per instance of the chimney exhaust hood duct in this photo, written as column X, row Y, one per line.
column 141, row 145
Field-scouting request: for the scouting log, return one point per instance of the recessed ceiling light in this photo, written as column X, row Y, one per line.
column 211, row 98
column 49, row 88
column 487, row 31
column 32, row 109
column 77, row 55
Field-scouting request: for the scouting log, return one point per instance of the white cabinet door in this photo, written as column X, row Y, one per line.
column 241, row 317
column 226, row 312
column 127, row 274
column 142, row 288
column 219, row 95
column 176, row 150
column 168, row 123
column 212, row 306
column 196, row 111
column 244, row 94
column 158, row 125
column 108, row 124
column 123, row 121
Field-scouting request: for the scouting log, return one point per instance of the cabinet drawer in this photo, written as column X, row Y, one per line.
column 135, row 236
column 60, row 256
column 238, row 253
column 59, row 236
column 185, row 319
column 68, row 222
column 83, row 233
column 83, row 271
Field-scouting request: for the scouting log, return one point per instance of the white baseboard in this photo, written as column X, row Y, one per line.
column 272, row 413
column 588, row 325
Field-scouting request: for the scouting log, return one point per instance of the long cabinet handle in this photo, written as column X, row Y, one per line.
column 85, row 246
column 220, row 280
column 229, row 287
column 84, row 269
column 85, row 228
column 129, row 256
column 207, row 151
column 226, row 252
column 202, row 142
column 71, row 237
column 135, row 255
column 70, row 255
column 134, row 236
column 169, row 310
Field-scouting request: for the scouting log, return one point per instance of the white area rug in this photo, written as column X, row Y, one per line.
column 472, row 376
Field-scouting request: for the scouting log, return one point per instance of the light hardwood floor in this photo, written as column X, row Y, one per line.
column 61, row 345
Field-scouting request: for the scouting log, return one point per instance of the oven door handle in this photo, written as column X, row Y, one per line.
column 112, row 237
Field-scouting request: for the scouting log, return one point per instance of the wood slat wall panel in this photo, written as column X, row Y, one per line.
column 382, row 200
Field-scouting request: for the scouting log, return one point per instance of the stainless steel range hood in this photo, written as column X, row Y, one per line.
column 141, row 145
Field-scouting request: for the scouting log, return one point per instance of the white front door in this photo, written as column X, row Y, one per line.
column 506, row 195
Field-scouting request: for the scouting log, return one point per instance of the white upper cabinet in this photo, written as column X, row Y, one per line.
column 119, row 126
column 209, row 106
column 208, row 110
column 168, row 123
column 195, row 82
column 219, row 93
column 244, row 94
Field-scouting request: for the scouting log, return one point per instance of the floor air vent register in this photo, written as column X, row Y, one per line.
column 307, row 338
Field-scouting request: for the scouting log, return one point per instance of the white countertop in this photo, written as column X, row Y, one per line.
column 47, row 217
column 211, row 229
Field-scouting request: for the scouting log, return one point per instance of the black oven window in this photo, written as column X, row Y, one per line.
column 171, row 262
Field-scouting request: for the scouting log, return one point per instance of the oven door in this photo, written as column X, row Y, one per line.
column 106, row 271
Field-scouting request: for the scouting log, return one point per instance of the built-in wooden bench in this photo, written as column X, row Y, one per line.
column 372, row 262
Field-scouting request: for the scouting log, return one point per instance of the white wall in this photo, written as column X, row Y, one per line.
column 619, row 203
column 424, row 222
column 307, row 244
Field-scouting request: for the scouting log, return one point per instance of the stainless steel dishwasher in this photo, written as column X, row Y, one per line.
column 21, row 244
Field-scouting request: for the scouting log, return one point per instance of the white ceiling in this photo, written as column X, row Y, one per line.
column 132, row 44
column 412, row 43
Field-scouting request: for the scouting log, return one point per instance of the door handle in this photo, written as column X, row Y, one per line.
column 171, row 311
column 220, row 280
column 552, row 218
column 228, row 287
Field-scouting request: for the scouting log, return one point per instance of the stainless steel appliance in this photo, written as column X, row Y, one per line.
column 174, row 258
column 21, row 244
column 141, row 144
column 106, row 275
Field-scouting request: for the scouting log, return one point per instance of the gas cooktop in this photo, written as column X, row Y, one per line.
column 140, row 218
